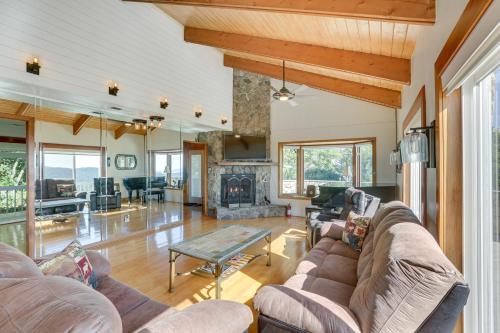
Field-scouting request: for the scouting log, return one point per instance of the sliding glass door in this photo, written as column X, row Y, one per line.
column 482, row 197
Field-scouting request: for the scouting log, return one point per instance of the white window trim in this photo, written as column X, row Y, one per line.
column 478, row 313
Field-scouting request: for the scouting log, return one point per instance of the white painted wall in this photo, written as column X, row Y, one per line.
column 430, row 41
column 330, row 116
column 83, row 45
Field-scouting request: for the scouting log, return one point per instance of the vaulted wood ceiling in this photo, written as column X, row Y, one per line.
column 367, row 42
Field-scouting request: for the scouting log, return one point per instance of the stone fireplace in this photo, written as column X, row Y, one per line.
column 237, row 190
column 241, row 189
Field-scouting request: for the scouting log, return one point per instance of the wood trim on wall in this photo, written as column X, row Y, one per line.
column 418, row 105
column 186, row 147
column 448, row 128
column 313, row 143
column 30, row 179
column 449, row 147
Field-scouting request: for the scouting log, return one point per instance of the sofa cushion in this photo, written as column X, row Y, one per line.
column 15, row 264
column 55, row 304
column 306, row 310
column 51, row 187
column 409, row 278
column 134, row 307
column 331, row 259
column 335, row 291
column 143, row 314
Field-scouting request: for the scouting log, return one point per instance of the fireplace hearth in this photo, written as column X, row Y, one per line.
column 238, row 190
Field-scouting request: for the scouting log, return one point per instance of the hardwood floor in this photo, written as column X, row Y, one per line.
column 142, row 262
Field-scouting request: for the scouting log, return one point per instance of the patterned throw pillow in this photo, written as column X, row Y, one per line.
column 355, row 231
column 72, row 262
column 65, row 190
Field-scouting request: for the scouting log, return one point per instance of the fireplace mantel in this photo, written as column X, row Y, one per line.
column 246, row 163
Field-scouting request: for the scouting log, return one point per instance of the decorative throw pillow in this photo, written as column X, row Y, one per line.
column 355, row 231
column 65, row 190
column 71, row 262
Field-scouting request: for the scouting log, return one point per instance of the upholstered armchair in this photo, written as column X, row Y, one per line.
column 104, row 195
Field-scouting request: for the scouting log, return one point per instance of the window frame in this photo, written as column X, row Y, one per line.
column 354, row 142
column 72, row 149
column 167, row 152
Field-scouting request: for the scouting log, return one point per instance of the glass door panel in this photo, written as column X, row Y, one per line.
column 195, row 179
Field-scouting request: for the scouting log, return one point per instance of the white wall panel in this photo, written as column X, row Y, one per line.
column 83, row 45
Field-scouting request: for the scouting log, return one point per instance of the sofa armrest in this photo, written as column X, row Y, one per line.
column 333, row 229
column 211, row 316
column 100, row 265
column 305, row 310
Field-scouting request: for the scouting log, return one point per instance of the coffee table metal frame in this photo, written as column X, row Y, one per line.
column 219, row 261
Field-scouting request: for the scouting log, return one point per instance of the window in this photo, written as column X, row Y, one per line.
column 341, row 163
column 80, row 164
column 168, row 164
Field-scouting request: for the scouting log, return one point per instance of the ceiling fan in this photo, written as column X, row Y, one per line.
column 284, row 94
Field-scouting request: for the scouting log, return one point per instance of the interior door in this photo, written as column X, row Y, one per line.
column 195, row 177
column 16, row 183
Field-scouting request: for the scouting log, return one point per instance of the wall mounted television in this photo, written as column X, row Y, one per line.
column 241, row 147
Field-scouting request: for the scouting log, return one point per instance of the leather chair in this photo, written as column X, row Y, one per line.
column 104, row 196
column 355, row 200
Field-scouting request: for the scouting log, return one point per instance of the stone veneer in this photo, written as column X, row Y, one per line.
column 251, row 116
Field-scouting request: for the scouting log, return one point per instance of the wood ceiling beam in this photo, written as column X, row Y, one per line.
column 23, row 109
column 120, row 131
column 377, row 95
column 378, row 66
column 403, row 11
column 80, row 122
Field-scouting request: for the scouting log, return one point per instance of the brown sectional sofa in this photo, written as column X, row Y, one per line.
column 400, row 282
column 32, row 302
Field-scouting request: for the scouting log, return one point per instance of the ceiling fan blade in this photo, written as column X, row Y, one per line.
column 293, row 103
column 301, row 89
column 274, row 89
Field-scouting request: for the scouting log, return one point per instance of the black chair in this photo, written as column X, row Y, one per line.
column 104, row 196
column 355, row 200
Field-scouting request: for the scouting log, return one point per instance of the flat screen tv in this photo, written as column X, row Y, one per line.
column 240, row 147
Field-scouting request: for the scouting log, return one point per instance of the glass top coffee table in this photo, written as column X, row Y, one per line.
column 221, row 251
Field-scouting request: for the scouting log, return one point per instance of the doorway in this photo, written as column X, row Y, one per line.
column 16, row 182
column 195, row 156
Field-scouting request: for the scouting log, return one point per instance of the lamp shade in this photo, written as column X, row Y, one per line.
column 414, row 148
column 395, row 157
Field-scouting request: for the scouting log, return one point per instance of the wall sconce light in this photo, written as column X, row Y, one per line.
column 113, row 89
column 156, row 121
column 140, row 124
column 198, row 111
column 223, row 120
column 395, row 158
column 164, row 103
column 33, row 67
column 419, row 146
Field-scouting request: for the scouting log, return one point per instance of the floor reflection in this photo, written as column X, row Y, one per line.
column 54, row 235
